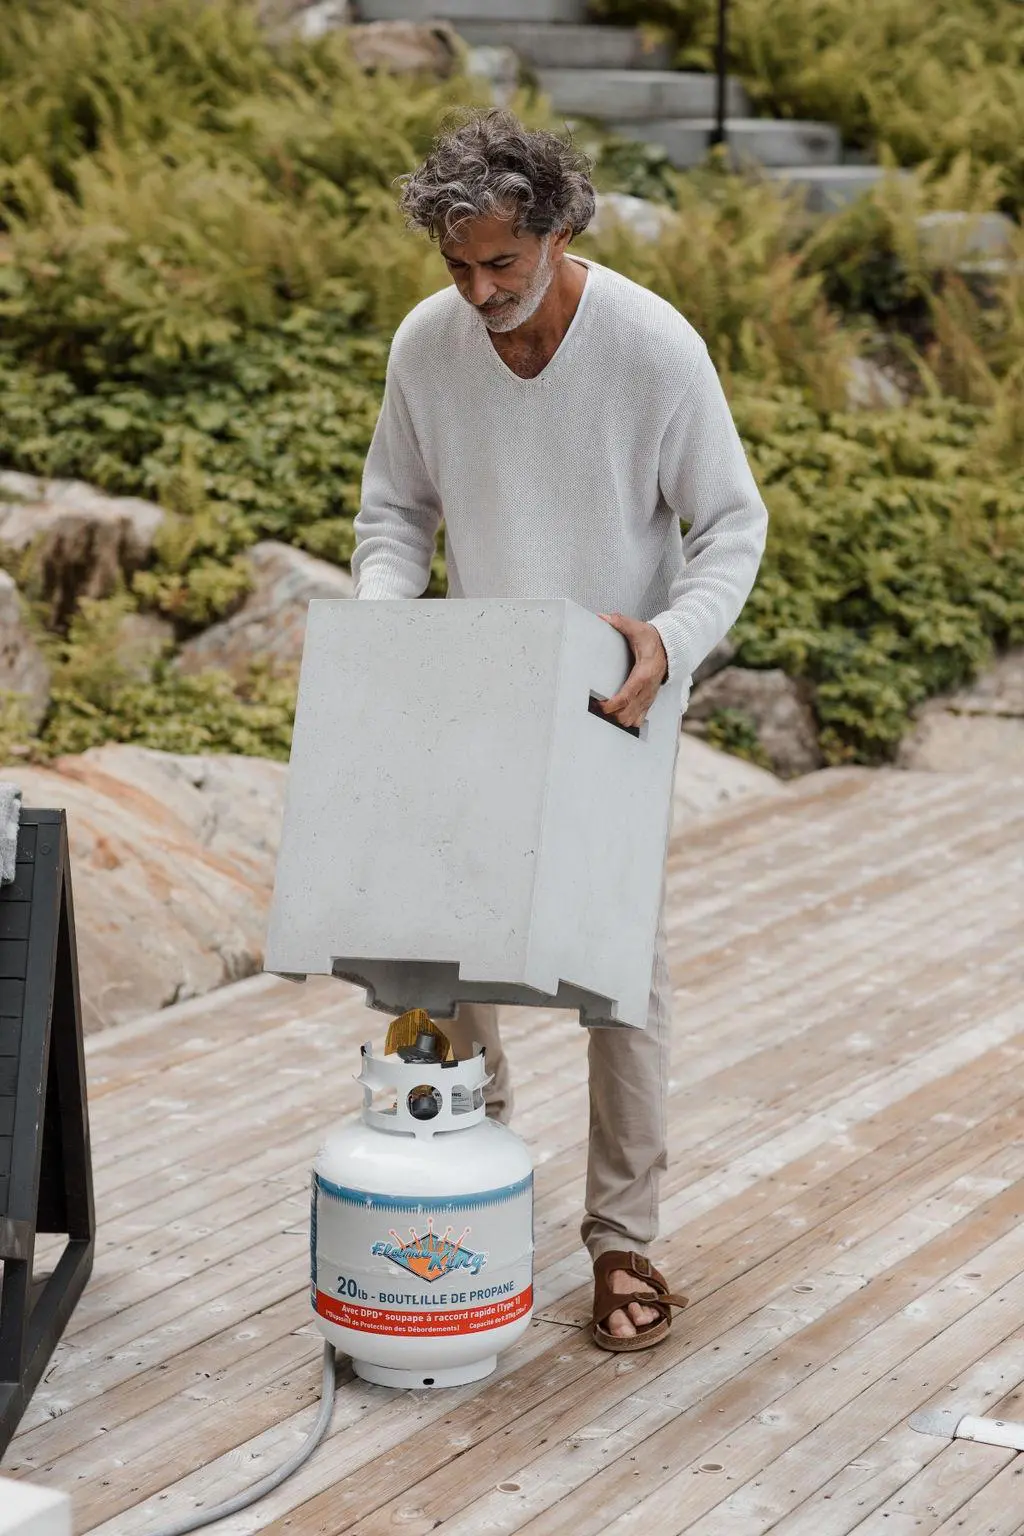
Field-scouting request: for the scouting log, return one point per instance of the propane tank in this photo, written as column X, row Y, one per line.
column 421, row 1235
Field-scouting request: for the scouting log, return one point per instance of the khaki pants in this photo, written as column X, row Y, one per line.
column 628, row 1089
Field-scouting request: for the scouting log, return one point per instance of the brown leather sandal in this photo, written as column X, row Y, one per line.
column 607, row 1301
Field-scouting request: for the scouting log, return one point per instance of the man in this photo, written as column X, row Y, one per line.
column 562, row 420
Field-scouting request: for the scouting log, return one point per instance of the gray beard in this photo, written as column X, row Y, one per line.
column 510, row 316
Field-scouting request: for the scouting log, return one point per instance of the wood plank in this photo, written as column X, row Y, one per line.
column 168, row 1438
column 939, row 1489
column 84, row 1420
column 115, row 1230
column 871, row 1388
column 438, row 1493
column 820, row 847
column 968, row 1086
column 728, row 973
column 885, row 1144
column 906, row 1472
column 175, row 1300
column 995, row 1510
column 116, row 1068
column 752, row 1116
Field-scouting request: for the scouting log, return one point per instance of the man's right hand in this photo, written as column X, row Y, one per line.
column 631, row 704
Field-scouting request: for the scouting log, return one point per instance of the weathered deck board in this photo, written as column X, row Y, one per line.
column 844, row 1208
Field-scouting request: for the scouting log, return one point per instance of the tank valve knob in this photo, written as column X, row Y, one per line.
column 425, row 1051
column 424, row 1102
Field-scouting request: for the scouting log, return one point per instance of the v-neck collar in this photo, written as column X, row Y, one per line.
column 557, row 359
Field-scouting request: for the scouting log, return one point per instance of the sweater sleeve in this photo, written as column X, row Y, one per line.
column 706, row 480
column 400, row 510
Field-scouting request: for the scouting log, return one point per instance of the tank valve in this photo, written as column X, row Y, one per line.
column 424, row 1102
column 425, row 1050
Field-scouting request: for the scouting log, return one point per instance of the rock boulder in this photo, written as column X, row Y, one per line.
column 76, row 542
column 979, row 729
column 716, row 660
column 779, row 708
column 142, row 638
column 405, row 47
column 870, row 387
column 272, row 622
column 172, row 862
column 965, row 239
column 499, row 67
column 308, row 19
column 644, row 218
column 708, row 781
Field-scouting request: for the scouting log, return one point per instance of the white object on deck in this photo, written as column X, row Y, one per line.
column 459, row 825
column 26, row 1510
column 967, row 1426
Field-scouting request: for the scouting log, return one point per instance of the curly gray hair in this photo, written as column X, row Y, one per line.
column 491, row 165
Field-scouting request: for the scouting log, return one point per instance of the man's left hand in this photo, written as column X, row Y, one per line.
column 650, row 669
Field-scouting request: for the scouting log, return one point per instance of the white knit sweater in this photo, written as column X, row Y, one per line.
column 569, row 485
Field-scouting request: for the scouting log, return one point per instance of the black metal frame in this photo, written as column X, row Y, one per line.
column 722, row 72
column 45, row 1162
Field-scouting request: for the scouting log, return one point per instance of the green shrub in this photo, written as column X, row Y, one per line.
column 168, row 180
column 870, row 254
column 273, row 427
column 733, row 730
column 631, row 166
column 15, row 730
column 95, row 699
column 895, row 561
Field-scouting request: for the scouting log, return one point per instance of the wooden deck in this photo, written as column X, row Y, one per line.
column 844, row 1207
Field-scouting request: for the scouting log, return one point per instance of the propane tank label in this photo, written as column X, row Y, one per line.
column 420, row 1266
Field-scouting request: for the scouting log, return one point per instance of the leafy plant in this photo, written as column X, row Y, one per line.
column 895, row 562
column 733, row 730
column 95, row 698
column 270, row 432
column 631, row 166
column 15, row 729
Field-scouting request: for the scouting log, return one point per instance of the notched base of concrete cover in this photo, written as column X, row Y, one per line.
column 437, row 986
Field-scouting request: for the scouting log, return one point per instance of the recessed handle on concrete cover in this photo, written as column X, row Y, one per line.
column 596, row 700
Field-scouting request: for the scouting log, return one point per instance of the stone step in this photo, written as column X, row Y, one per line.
column 565, row 45
column 623, row 95
column 761, row 141
column 473, row 10
column 827, row 187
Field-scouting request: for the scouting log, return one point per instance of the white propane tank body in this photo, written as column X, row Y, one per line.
column 421, row 1235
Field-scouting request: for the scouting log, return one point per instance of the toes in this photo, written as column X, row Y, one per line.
column 619, row 1325
column 632, row 1315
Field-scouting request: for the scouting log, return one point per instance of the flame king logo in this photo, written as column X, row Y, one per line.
column 428, row 1256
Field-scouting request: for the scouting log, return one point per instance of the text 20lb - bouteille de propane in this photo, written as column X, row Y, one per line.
column 422, row 1225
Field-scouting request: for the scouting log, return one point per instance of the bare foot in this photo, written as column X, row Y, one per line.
column 624, row 1323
